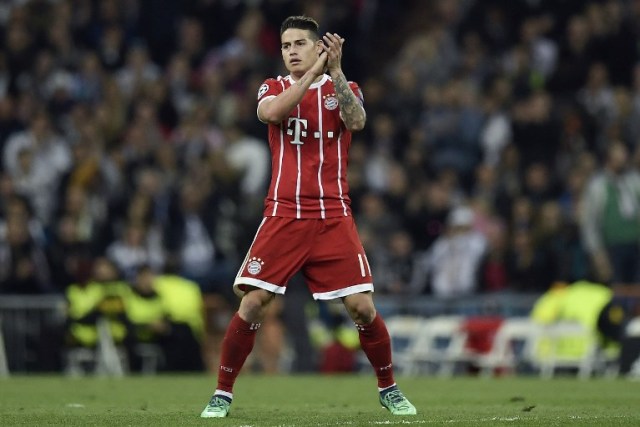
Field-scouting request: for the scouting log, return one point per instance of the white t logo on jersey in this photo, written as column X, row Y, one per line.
column 299, row 129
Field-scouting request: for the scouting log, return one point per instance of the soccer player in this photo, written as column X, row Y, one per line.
column 307, row 222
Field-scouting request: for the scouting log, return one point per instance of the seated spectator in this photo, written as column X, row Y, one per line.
column 591, row 304
column 494, row 275
column 167, row 311
column 191, row 240
column 17, row 206
column 452, row 264
column 23, row 263
column 70, row 256
column 135, row 248
column 102, row 296
column 79, row 208
column 396, row 265
column 36, row 159
column 530, row 269
column 427, row 210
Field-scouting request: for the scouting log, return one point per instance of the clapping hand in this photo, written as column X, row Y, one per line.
column 333, row 47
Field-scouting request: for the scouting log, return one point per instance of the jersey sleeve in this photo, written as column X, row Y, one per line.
column 357, row 91
column 270, row 88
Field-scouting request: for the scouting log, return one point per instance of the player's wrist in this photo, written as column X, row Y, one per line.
column 335, row 72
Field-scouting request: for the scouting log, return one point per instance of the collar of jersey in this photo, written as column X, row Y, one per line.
column 313, row 85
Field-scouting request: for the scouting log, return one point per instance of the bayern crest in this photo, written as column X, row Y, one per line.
column 330, row 102
column 255, row 266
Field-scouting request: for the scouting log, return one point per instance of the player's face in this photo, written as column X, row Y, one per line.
column 299, row 50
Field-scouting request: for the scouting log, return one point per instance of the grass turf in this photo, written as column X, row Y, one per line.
column 306, row 401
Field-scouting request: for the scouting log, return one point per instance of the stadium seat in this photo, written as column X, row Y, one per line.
column 633, row 328
column 513, row 346
column 106, row 359
column 404, row 331
column 630, row 355
column 79, row 361
column 151, row 357
column 567, row 345
column 440, row 345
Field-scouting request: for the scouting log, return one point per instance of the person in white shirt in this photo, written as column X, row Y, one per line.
column 453, row 260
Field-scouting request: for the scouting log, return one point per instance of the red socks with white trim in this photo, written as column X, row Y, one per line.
column 376, row 344
column 236, row 347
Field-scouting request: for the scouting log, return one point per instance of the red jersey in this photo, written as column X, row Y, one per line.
column 309, row 152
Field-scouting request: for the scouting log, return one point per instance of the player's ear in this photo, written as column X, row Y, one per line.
column 319, row 47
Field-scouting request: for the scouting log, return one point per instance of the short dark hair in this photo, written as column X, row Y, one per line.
column 301, row 23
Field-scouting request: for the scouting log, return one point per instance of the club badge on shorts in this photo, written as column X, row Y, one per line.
column 254, row 266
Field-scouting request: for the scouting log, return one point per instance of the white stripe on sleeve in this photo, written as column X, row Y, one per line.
column 339, row 145
column 321, row 148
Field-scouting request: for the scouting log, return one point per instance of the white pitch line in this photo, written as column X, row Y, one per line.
column 477, row 420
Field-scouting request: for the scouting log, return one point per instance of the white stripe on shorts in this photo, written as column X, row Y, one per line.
column 362, row 272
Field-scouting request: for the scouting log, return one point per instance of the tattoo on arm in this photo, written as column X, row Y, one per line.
column 352, row 112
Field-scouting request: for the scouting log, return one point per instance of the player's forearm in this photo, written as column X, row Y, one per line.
column 278, row 108
column 352, row 112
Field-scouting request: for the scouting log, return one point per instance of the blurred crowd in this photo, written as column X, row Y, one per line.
column 500, row 152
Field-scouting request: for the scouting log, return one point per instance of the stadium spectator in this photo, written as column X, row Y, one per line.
column 496, row 130
column 249, row 157
column 598, row 101
column 137, row 72
column 536, row 131
column 24, row 268
column 452, row 127
column 157, row 319
column 87, row 214
column 493, row 272
column 36, row 159
column 70, row 256
column 427, row 208
column 590, row 304
column 396, row 265
column 452, row 264
column 191, row 237
column 101, row 296
column 137, row 245
column 530, row 268
column 376, row 222
column 609, row 223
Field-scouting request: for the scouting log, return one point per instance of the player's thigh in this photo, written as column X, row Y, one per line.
column 280, row 248
column 338, row 265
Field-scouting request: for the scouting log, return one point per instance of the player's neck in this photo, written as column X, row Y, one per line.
column 296, row 77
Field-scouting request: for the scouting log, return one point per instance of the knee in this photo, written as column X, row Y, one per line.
column 362, row 311
column 254, row 304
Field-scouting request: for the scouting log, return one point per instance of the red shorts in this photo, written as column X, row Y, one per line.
column 328, row 251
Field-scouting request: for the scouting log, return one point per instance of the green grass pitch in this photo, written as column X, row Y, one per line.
column 306, row 401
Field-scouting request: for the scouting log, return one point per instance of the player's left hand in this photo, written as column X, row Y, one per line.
column 333, row 47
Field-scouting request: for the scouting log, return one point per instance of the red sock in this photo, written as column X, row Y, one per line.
column 236, row 346
column 376, row 344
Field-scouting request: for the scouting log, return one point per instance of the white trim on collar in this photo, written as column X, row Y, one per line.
column 315, row 85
